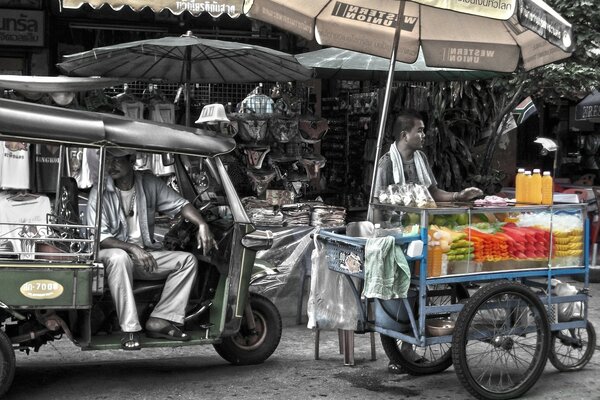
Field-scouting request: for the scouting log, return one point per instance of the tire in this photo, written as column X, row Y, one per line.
column 7, row 363
column 246, row 349
column 572, row 348
column 409, row 358
column 501, row 341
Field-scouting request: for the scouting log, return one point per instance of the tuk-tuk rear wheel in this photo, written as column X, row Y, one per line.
column 247, row 347
column 7, row 363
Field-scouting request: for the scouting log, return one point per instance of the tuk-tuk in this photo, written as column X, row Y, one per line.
column 51, row 283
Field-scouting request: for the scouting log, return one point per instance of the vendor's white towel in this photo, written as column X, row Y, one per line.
column 398, row 168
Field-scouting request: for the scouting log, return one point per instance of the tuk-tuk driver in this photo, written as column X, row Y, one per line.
column 128, row 250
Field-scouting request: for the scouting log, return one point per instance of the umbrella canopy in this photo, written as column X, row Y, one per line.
column 32, row 121
column 215, row 7
column 491, row 35
column 186, row 59
column 51, row 84
column 335, row 63
column 588, row 109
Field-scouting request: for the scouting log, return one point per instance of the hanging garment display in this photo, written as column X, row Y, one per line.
column 17, row 210
column 313, row 163
column 257, row 104
column 14, row 165
column 283, row 129
column 260, row 180
column 312, row 129
column 255, row 155
column 251, row 128
column 46, row 168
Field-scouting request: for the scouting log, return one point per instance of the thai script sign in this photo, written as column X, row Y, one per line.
column 21, row 28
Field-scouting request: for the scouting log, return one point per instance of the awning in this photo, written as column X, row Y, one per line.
column 215, row 8
column 589, row 108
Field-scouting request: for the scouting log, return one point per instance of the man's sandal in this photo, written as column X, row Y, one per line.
column 131, row 341
column 170, row 332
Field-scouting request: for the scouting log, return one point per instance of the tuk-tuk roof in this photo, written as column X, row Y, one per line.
column 49, row 84
column 30, row 121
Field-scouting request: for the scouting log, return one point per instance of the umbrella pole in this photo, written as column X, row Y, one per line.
column 385, row 106
column 188, row 78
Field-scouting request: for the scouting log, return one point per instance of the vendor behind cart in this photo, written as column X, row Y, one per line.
column 406, row 163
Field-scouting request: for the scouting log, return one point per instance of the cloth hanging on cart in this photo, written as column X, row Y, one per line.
column 387, row 274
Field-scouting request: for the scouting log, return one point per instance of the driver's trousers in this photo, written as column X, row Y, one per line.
column 177, row 267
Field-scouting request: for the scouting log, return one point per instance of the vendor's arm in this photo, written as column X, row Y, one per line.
column 204, row 235
column 467, row 194
column 138, row 255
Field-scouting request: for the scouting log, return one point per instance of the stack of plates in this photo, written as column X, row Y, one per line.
column 297, row 214
column 328, row 216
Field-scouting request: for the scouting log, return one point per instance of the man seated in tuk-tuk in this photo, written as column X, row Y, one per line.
column 128, row 249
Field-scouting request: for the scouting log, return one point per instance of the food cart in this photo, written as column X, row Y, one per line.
column 484, row 293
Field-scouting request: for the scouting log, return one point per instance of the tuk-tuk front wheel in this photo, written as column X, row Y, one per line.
column 254, row 346
column 7, row 363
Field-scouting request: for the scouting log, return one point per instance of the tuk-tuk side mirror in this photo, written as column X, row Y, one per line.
column 167, row 159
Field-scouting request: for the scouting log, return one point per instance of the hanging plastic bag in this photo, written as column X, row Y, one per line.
column 331, row 304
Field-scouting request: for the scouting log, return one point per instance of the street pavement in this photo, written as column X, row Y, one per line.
column 61, row 370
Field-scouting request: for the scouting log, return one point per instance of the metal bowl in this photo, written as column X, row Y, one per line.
column 439, row 326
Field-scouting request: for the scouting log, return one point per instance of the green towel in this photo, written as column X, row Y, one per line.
column 387, row 275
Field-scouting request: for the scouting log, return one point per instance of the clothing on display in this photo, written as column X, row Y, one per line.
column 313, row 163
column 328, row 216
column 255, row 155
column 14, row 165
column 312, row 130
column 257, row 104
column 46, row 168
column 16, row 210
column 260, row 180
column 283, row 130
column 251, row 129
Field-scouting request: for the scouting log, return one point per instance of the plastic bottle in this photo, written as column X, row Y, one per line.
column 527, row 187
column 436, row 260
column 519, row 189
column 547, row 188
column 536, row 187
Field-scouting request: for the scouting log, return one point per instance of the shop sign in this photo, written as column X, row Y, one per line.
column 196, row 7
column 21, row 28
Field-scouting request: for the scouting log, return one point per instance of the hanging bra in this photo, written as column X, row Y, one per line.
column 255, row 155
column 260, row 180
column 251, row 128
column 313, row 164
column 312, row 130
column 283, row 129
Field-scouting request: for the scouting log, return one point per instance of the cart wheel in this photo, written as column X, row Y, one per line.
column 429, row 359
column 501, row 341
column 7, row 363
column 572, row 348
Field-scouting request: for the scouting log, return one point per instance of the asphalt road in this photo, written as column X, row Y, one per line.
column 61, row 370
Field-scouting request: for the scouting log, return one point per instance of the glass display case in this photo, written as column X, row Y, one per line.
column 466, row 240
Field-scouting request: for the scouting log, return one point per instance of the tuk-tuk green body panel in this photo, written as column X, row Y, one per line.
column 40, row 286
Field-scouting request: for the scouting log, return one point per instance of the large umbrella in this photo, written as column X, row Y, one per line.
column 499, row 35
column 187, row 59
column 336, row 63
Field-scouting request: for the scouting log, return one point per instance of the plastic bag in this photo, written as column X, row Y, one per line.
column 567, row 311
column 331, row 304
column 409, row 195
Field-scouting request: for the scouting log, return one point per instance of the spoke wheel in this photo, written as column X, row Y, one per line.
column 501, row 341
column 254, row 346
column 572, row 348
column 431, row 359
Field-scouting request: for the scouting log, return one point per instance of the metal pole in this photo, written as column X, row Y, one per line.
column 99, row 202
column 188, row 78
column 386, row 105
